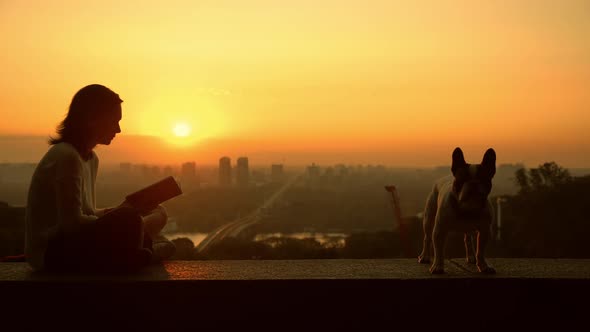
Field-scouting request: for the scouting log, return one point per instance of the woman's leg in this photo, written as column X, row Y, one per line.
column 155, row 221
column 112, row 242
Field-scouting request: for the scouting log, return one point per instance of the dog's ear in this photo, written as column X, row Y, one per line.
column 489, row 162
column 458, row 160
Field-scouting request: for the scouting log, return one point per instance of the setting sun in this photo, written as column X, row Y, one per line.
column 183, row 135
column 182, row 129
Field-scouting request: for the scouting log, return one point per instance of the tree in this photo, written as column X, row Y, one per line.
column 549, row 215
column 553, row 174
column 547, row 175
column 522, row 180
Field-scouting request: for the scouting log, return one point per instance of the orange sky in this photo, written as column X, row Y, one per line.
column 375, row 79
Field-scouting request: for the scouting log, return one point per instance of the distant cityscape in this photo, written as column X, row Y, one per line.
column 238, row 173
column 317, row 200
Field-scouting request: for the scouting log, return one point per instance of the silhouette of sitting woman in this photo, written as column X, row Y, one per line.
column 64, row 229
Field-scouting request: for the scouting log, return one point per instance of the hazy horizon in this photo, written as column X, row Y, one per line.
column 31, row 148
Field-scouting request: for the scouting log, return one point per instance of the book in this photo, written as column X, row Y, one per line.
column 149, row 197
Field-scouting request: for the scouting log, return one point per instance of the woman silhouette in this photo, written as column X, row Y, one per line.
column 64, row 229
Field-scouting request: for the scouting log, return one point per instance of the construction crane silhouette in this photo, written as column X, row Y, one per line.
column 403, row 227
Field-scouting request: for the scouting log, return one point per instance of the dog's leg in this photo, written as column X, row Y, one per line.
column 482, row 240
column 428, row 226
column 469, row 249
column 439, row 236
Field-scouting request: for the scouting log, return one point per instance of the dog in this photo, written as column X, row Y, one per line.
column 460, row 203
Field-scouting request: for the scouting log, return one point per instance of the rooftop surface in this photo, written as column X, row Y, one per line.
column 305, row 294
column 330, row 269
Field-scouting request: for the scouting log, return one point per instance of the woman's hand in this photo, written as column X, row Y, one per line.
column 159, row 209
column 125, row 204
column 143, row 211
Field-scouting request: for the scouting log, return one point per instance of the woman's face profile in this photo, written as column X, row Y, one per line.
column 108, row 126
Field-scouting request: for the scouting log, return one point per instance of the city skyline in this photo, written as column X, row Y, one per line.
column 17, row 149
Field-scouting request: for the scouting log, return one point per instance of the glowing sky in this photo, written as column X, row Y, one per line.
column 363, row 76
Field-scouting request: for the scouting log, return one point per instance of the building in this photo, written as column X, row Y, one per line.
column 225, row 171
column 188, row 173
column 242, row 172
column 168, row 171
column 145, row 170
column 313, row 171
column 277, row 173
column 313, row 174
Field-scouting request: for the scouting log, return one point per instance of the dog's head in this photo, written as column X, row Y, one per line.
column 473, row 182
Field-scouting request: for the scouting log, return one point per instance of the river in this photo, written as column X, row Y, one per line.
column 320, row 237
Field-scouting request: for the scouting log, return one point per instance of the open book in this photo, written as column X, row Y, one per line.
column 149, row 197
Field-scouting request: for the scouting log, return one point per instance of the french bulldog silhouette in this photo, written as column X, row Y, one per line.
column 459, row 203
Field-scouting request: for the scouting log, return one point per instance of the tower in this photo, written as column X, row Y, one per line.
column 242, row 172
column 225, row 171
column 188, row 173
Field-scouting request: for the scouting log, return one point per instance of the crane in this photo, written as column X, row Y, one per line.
column 403, row 229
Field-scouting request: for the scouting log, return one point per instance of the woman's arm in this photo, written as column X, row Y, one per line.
column 68, row 186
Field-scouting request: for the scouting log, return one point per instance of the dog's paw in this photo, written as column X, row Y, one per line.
column 437, row 270
column 423, row 259
column 486, row 269
column 470, row 260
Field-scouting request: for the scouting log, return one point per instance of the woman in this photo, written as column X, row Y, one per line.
column 64, row 229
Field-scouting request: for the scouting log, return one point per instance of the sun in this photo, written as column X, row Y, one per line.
column 181, row 129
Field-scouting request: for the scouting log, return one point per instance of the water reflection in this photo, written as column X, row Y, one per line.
column 330, row 239
column 195, row 237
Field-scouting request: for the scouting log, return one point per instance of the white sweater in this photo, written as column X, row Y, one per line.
column 61, row 195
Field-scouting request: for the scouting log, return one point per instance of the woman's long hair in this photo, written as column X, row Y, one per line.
column 88, row 105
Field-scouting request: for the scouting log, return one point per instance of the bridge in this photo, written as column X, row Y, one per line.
column 234, row 228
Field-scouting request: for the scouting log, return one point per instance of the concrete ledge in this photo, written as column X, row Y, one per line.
column 334, row 293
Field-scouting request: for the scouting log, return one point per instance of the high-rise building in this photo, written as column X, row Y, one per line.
column 313, row 174
column 225, row 171
column 145, row 170
column 313, row 171
column 277, row 173
column 242, row 172
column 188, row 173
column 168, row 170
